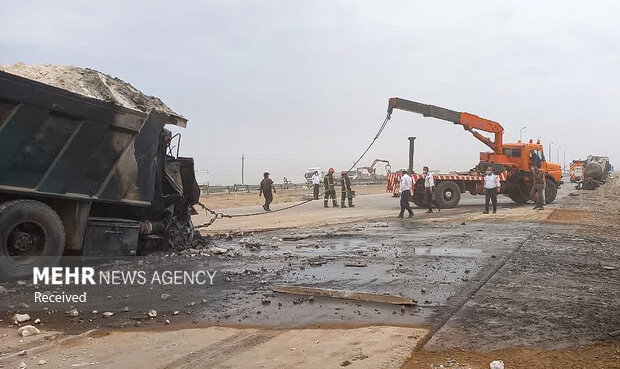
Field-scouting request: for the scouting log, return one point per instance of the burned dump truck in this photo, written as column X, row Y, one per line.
column 83, row 176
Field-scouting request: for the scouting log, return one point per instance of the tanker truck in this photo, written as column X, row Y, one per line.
column 595, row 171
column 83, row 176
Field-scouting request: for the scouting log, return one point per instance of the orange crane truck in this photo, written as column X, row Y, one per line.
column 512, row 160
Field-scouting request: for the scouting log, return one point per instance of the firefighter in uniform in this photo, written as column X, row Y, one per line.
column 538, row 187
column 330, row 188
column 347, row 193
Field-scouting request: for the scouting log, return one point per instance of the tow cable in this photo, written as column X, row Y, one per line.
column 220, row 215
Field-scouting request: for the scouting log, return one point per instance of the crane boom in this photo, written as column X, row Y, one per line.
column 470, row 122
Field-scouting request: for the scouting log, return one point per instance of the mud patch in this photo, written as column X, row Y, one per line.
column 594, row 356
column 570, row 216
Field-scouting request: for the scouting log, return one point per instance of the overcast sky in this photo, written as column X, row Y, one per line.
column 298, row 84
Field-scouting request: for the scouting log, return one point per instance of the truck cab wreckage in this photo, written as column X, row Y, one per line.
column 84, row 176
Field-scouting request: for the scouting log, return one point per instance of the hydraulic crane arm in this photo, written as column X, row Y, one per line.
column 387, row 162
column 470, row 122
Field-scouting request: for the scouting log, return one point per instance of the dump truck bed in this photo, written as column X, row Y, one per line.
column 61, row 144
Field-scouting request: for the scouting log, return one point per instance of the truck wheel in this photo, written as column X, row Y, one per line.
column 551, row 191
column 418, row 199
column 517, row 197
column 31, row 234
column 447, row 194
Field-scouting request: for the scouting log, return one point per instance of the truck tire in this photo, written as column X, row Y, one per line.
column 31, row 234
column 418, row 199
column 551, row 191
column 519, row 198
column 447, row 194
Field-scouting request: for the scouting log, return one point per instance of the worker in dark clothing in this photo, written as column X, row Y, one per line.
column 330, row 188
column 535, row 160
column 266, row 186
column 347, row 192
column 538, row 187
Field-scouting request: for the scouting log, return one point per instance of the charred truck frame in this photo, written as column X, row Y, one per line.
column 83, row 176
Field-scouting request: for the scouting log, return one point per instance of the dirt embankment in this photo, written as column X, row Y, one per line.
column 597, row 212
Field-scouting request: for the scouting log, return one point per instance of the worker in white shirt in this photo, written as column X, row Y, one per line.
column 316, row 182
column 429, row 188
column 491, row 189
column 405, row 194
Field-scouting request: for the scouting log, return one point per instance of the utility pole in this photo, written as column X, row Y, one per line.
column 521, row 133
column 242, row 169
column 411, row 149
column 564, row 160
column 558, row 157
column 549, row 152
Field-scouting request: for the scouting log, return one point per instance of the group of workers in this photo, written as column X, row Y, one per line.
column 492, row 187
column 406, row 192
column 267, row 189
column 329, row 183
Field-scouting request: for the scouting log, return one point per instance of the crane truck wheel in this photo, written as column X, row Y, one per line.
column 518, row 197
column 418, row 198
column 31, row 235
column 551, row 191
column 447, row 194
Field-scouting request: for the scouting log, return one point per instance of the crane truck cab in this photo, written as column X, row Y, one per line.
column 517, row 160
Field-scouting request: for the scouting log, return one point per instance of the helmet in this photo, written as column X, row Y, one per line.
column 330, row 171
column 343, row 172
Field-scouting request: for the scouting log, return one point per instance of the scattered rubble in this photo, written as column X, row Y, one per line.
column 251, row 243
column 217, row 250
column 20, row 318
column 28, row 330
column 152, row 313
column 358, row 264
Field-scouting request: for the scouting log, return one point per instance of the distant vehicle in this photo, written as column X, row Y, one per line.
column 310, row 172
column 596, row 170
column 576, row 171
column 352, row 174
column 370, row 173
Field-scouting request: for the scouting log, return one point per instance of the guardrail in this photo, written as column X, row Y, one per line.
column 238, row 188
